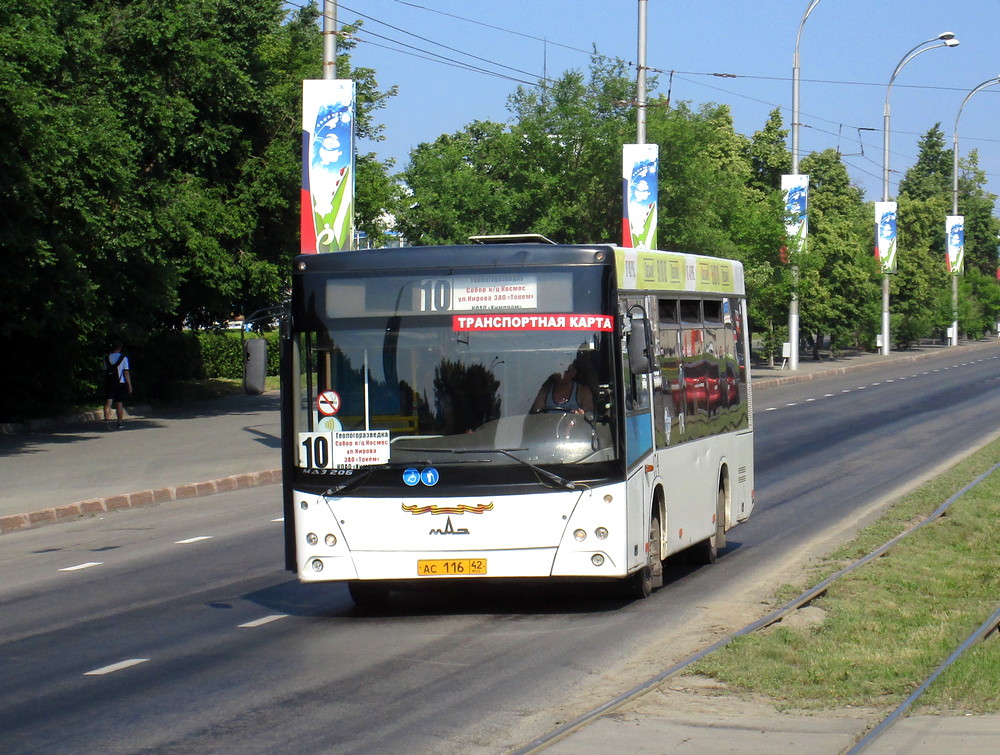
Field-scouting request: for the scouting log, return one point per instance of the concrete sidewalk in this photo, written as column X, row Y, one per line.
column 77, row 467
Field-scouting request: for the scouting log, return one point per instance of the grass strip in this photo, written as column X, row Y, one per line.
column 885, row 627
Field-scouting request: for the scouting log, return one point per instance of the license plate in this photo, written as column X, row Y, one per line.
column 450, row 567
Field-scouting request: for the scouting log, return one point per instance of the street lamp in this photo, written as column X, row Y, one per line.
column 795, row 88
column 953, row 341
column 947, row 39
column 793, row 309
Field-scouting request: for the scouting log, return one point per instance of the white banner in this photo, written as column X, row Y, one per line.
column 955, row 230
column 796, row 189
column 327, row 222
column 640, row 164
column 885, row 235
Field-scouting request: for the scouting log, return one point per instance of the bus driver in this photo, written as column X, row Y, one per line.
column 561, row 392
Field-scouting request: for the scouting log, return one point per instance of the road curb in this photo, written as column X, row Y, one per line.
column 94, row 506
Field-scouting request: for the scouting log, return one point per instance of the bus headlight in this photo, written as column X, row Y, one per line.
column 602, row 533
column 597, row 559
column 312, row 539
column 580, row 535
column 331, row 540
column 317, row 565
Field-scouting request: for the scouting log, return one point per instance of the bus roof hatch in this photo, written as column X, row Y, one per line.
column 512, row 238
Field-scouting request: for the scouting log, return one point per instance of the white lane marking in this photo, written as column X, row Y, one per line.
column 825, row 395
column 116, row 667
column 279, row 519
column 262, row 621
column 82, row 566
column 193, row 540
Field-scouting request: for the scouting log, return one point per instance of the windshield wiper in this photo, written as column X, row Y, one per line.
column 356, row 481
column 508, row 452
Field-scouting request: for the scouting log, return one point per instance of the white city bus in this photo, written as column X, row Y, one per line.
column 430, row 431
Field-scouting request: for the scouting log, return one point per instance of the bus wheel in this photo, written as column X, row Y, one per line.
column 648, row 578
column 707, row 551
column 368, row 594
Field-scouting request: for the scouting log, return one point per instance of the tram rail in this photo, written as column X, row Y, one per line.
column 805, row 598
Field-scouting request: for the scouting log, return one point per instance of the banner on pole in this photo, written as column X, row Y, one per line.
column 796, row 189
column 327, row 196
column 955, row 230
column 640, row 165
column 885, row 235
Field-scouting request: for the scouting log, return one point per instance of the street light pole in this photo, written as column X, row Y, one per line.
column 953, row 341
column 640, row 81
column 329, row 39
column 947, row 39
column 793, row 308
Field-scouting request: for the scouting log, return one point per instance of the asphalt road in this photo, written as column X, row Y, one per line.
column 173, row 629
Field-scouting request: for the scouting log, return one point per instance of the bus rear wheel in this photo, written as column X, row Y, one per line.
column 707, row 551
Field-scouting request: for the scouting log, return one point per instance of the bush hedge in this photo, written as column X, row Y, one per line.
column 173, row 357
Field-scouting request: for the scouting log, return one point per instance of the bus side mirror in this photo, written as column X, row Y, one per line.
column 640, row 347
column 254, row 366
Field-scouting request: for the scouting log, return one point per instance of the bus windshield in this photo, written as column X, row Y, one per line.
column 405, row 370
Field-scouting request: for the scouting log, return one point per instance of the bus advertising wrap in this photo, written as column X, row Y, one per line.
column 955, row 230
column 639, row 192
column 327, row 196
column 885, row 235
column 796, row 190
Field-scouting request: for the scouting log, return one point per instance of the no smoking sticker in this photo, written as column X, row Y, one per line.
column 328, row 403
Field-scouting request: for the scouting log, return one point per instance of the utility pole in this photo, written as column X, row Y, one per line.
column 640, row 85
column 329, row 39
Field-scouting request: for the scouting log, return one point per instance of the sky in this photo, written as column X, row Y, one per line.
column 457, row 61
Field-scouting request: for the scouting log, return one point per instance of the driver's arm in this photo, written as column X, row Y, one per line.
column 539, row 402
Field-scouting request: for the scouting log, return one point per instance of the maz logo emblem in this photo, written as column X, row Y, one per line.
column 449, row 530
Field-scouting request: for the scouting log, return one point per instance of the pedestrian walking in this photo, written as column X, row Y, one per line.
column 117, row 384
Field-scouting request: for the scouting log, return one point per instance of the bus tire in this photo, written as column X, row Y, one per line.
column 707, row 551
column 641, row 584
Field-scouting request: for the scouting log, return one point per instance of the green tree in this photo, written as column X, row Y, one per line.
column 570, row 135
column 838, row 287
column 769, row 157
column 459, row 186
column 981, row 226
column 930, row 176
column 151, row 169
column 555, row 169
column 767, row 274
column 922, row 293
